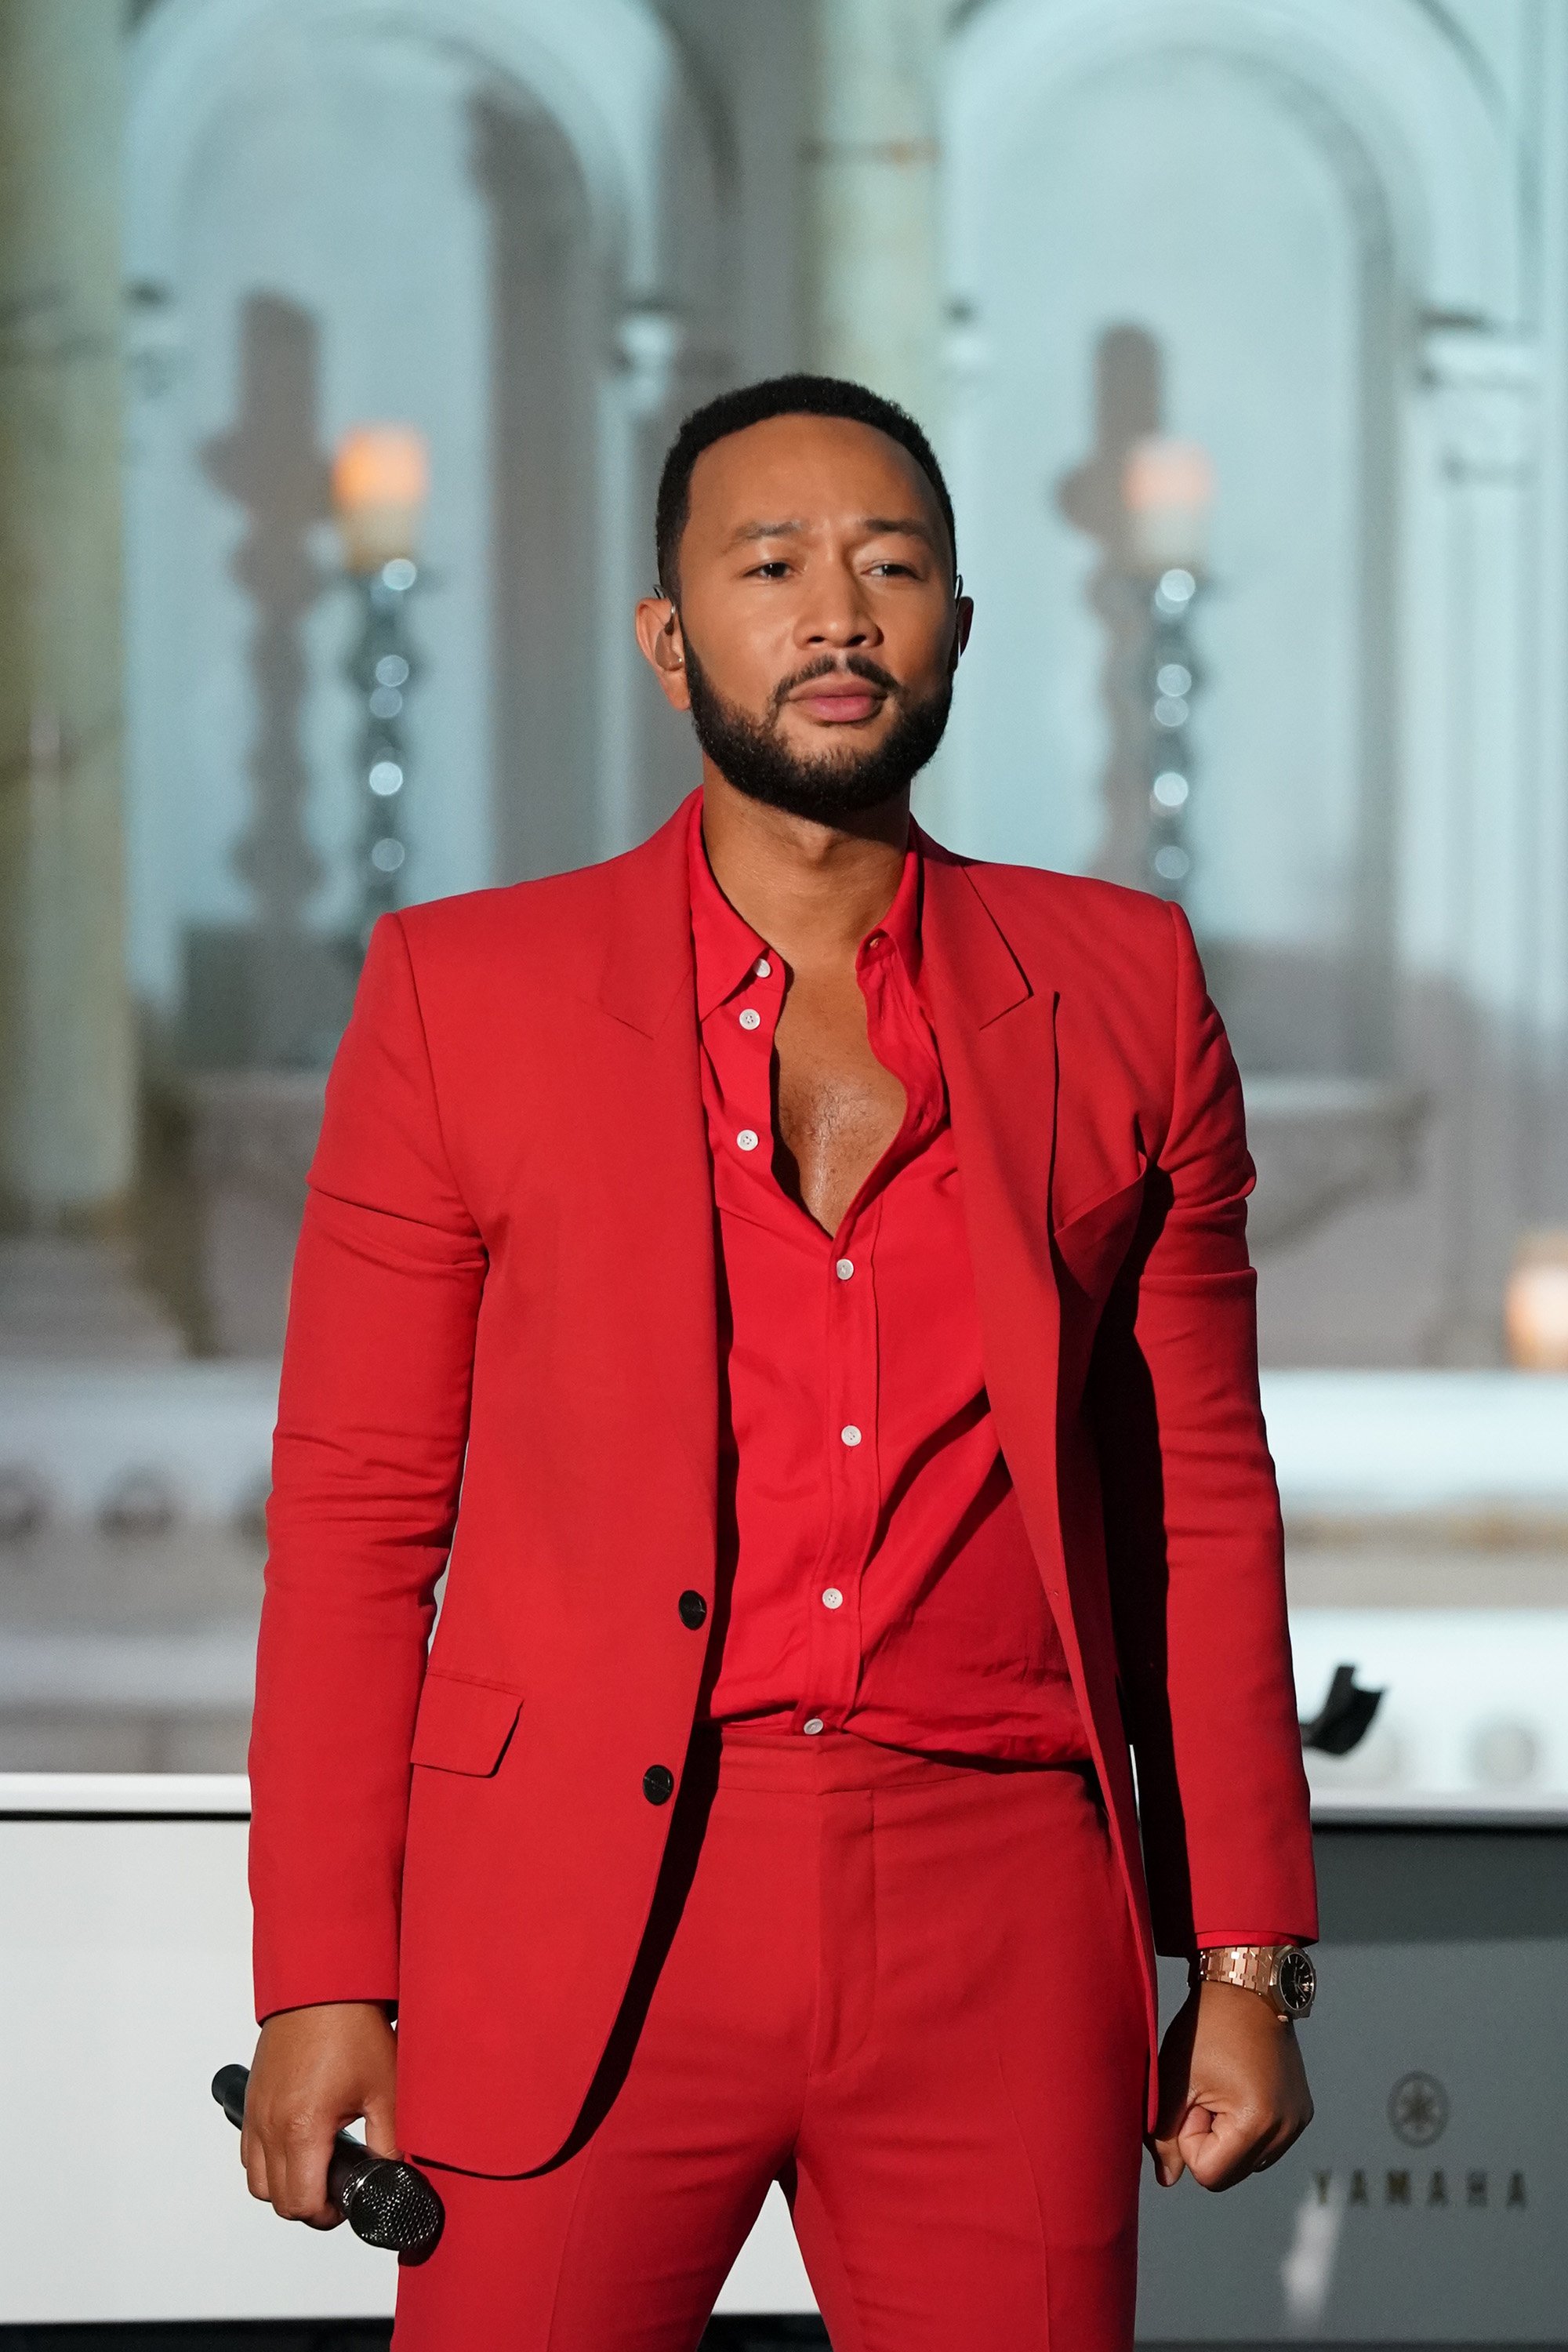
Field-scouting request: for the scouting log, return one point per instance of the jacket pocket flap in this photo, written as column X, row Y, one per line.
column 1097, row 1235
column 463, row 1727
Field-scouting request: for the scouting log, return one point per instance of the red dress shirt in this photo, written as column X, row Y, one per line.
column 874, row 1572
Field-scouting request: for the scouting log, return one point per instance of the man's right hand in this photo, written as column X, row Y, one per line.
column 315, row 2071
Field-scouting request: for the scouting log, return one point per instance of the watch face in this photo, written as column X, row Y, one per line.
column 1297, row 1981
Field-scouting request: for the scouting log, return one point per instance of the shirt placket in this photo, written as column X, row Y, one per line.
column 850, row 1436
column 853, row 1418
column 834, row 1593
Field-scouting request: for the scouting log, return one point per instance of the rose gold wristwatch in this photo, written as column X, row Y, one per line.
column 1282, row 1973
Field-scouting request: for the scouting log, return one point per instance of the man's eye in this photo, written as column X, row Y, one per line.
column 900, row 570
column 775, row 569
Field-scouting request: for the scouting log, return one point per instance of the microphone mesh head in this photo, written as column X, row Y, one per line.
column 392, row 2205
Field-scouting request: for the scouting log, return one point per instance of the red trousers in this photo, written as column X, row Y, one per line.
column 905, row 1990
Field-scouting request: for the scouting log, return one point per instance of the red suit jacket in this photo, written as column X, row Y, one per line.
column 502, row 1344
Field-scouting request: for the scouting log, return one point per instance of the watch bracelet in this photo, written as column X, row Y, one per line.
column 1250, row 1967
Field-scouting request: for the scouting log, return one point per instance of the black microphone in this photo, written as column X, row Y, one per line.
column 384, row 2201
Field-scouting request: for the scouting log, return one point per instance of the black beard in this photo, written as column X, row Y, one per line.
column 751, row 755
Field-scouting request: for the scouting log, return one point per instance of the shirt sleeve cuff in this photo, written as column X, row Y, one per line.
column 1215, row 1939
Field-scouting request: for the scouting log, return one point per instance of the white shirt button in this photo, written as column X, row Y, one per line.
column 813, row 1722
column 833, row 1597
column 750, row 1019
column 845, row 1268
column 747, row 1139
column 850, row 1434
column 761, row 967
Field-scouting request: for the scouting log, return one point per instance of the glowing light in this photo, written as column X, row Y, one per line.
column 1167, row 490
column 1535, row 1306
column 380, row 478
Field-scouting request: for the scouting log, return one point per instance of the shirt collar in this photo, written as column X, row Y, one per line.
column 726, row 948
column 901, row 923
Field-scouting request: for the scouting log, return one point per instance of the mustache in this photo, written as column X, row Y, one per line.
column 827, row 666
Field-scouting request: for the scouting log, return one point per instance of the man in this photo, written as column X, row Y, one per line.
column 821, row 1261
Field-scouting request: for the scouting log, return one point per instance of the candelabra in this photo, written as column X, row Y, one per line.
column 379, row 481
column 1167, row 490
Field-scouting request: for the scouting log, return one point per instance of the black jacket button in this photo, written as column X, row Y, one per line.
column 693, row 1609
column 658, row 1784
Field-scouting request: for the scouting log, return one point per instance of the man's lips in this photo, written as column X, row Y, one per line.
column 839, row 701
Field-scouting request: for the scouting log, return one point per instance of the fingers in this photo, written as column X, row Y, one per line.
column 253, row 2157
column 1221, row 2148
column 380, row 2135
column 1238, row 2146
column 307, row 2148
column 276, row 2176
column 293, row 2150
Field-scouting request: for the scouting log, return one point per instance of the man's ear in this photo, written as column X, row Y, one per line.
column 664, row 647
column 963, row 621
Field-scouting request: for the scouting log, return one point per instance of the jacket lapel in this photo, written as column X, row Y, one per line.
column 996, row 1029
column 641, row 979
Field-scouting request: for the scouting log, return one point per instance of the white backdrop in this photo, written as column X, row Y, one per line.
column 124, row 1985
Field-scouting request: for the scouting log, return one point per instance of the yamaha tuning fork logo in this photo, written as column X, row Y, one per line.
column 1418, row 2109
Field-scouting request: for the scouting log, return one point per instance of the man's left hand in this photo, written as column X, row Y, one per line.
column 1233, row 2090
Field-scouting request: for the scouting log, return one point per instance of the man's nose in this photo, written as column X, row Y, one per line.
column 837, row 614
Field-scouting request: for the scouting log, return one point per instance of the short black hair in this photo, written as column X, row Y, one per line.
column 753, row 403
